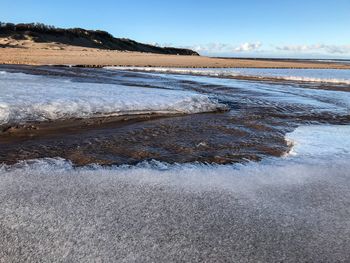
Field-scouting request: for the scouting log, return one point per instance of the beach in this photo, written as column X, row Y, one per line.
column 29, row 53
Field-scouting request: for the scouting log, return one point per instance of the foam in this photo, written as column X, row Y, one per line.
column 300, row 75
column 26, row 98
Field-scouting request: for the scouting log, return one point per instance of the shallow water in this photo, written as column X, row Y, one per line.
column 335, row 76
column 259, row 115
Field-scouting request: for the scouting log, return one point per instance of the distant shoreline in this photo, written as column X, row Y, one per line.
column 28, row 53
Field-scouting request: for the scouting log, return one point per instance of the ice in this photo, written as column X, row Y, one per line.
column 304, row 75
column 319, row 142
column 26, row 98
column 320, row 153
column 294, row 207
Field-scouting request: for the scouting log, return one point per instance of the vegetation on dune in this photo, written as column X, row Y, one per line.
column 42, row 33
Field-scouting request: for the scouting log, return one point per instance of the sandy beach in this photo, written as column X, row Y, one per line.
column 30, row 53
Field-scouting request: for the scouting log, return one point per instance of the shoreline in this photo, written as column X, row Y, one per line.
column 97, row 58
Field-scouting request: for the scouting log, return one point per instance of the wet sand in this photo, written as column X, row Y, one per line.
column 58, row 54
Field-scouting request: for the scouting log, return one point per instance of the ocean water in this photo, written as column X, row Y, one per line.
column 173, row 202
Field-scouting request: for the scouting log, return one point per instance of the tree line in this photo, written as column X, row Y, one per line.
column 43, row 28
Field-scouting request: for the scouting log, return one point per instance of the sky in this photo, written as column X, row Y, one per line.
column 240, row 28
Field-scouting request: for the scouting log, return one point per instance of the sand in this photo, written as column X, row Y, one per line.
column 30, row 53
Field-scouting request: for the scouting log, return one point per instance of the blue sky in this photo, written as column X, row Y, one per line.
column 277, row 28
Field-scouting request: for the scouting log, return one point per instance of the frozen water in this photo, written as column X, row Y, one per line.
column 283, row 209
column 26, row 97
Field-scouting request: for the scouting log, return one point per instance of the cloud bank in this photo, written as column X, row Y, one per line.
column 254, row 48
column 226, row 48
column 248, row 47
column 331, row 49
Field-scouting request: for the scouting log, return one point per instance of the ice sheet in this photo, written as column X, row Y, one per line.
column 294, row 207
column 26, row 98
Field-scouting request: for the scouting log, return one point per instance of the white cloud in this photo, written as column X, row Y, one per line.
column 212, row 48
column 157, row 44
column 154, row 44
column 223, row 48
column 332, row 49
column 248, row 47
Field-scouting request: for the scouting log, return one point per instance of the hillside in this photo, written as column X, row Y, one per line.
column 40, row 33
